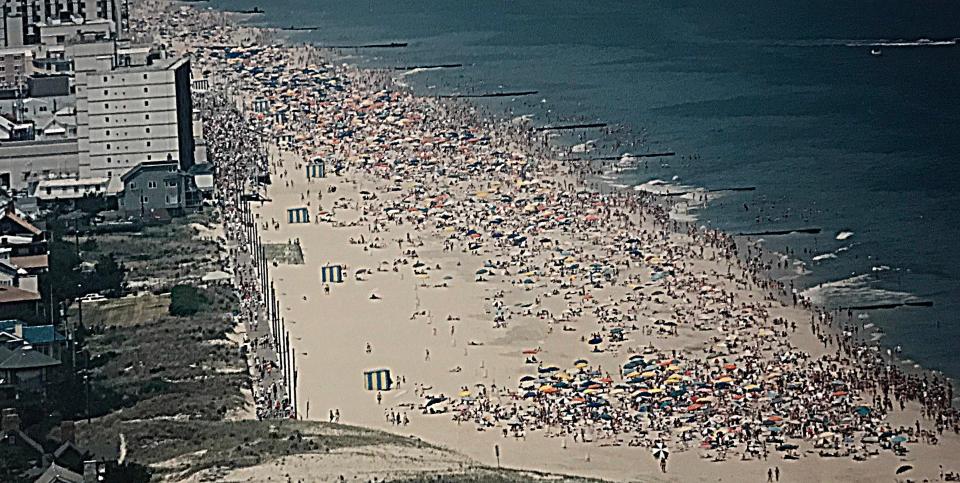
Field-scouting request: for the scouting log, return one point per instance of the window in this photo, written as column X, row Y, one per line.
column 149, row 157
column 106, row 105
column 106, row 119
column 148, row 144
column 148, row 130
column 109, row 174
column 151, row 184
column 104, row 79
column 146, row 103
column 133, row 185
column 109, row 159
column 171, row 183
column 145, row 200
column 144, row 76
column 108, row 132
column 106, row 92
column 146, row 116
column 108, row 147
column 146, row 89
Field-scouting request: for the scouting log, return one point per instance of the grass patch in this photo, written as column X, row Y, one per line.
column 126, row 311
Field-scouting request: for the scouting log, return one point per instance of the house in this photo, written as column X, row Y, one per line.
column 56, row 459
column 42, row 338
column 157, row 189
column 23, row 368
column 28, row 244
column 17, row 303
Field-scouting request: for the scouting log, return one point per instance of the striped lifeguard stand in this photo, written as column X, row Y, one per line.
column 331, row 274
column 298, row 215
column 378, row 380
column 317, row 169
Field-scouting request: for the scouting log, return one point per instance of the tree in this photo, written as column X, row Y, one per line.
column 185, row 300
column 108, row 276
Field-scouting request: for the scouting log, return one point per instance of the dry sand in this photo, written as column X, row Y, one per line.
column 329, row 333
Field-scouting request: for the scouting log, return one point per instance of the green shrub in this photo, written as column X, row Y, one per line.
column 185, row 300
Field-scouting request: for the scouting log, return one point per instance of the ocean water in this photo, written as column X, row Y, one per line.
column 782, row 96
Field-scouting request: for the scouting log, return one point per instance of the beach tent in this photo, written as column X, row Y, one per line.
column 298, row 215
column 261, row 105
column 317, row 169
column 378, row 380
column 331, row 274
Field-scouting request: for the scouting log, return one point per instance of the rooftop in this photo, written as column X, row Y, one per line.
column 33, row 334
column 24, row 357
column 10, row 295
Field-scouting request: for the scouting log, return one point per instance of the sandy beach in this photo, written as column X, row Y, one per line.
column 529, row 318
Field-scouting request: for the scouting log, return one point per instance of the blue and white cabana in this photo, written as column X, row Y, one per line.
column 298, row 215
column 331, row 274
column 378, row 380
column 317, row 169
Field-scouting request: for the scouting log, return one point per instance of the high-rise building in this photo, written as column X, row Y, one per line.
column 131, row 115
column 21, row 21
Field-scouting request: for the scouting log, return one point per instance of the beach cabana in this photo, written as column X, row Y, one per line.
column 298, row 215
column 331, row 274
column 317, row 169
column 378, row 380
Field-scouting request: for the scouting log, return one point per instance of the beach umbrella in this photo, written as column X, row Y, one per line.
column 580, row 363
column 660, row 451
column 527, row 378
column 904, row 469
column 595, row 340
column 899, row 439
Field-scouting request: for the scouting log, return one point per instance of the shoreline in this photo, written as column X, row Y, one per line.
column 370, row 176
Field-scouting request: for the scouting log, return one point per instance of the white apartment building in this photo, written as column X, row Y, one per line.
column 131, row 115
column 21, row 21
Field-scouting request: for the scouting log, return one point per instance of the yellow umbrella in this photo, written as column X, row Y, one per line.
column 464, row 393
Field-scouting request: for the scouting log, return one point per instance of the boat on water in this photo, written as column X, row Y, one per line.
column 876, row 51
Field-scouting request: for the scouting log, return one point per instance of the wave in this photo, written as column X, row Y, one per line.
column 861, row 43
column 858, row 290
column 824, row 256
column 419, row 70
column 843, row 235
column 583, row 147
column 902, row 43
column 661, row 187
column 522, row 119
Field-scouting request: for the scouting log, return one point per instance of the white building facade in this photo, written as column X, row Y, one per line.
column 132, row 115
